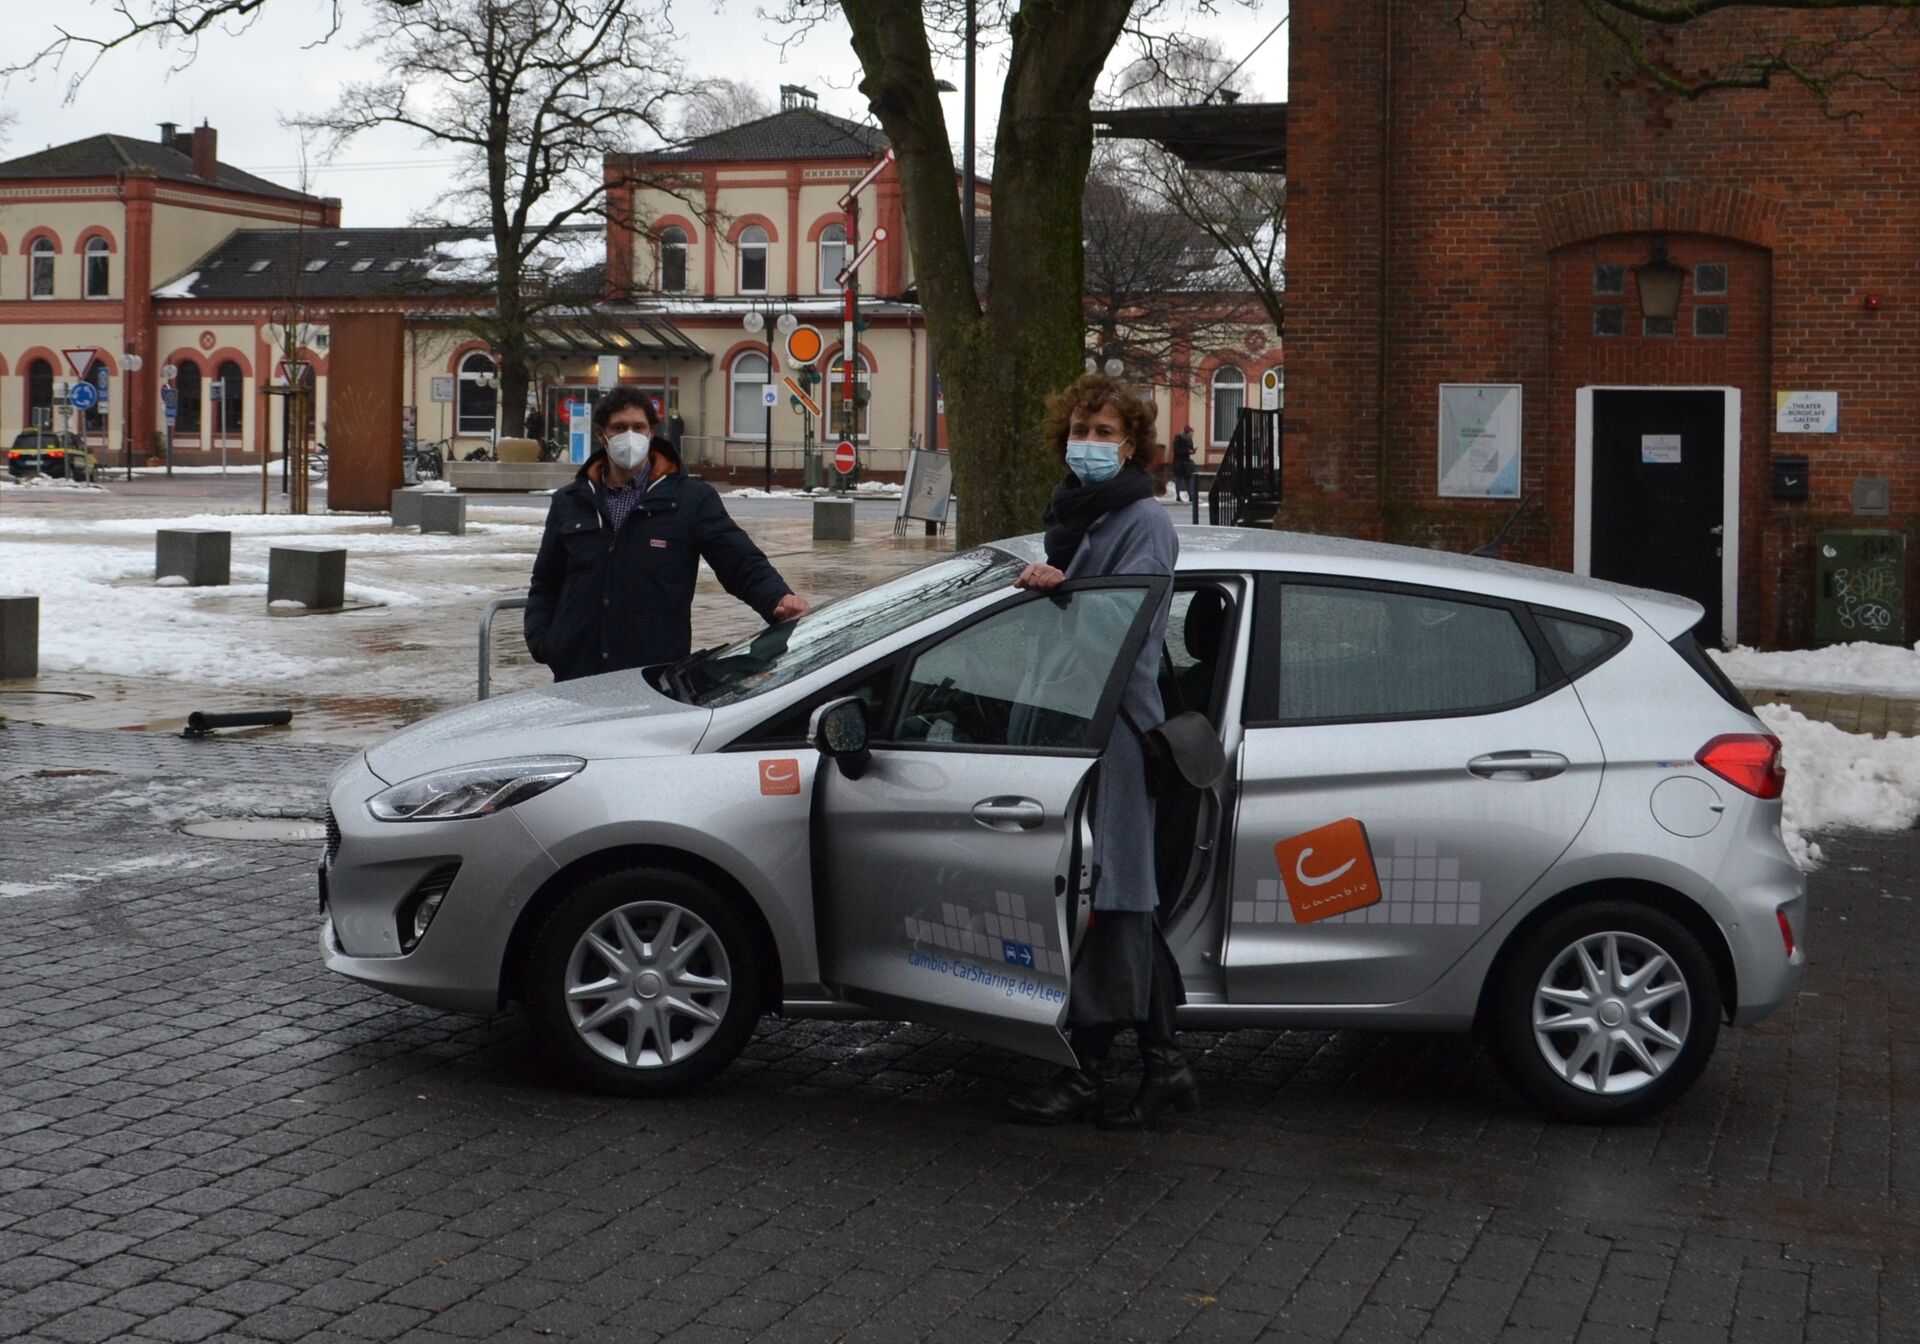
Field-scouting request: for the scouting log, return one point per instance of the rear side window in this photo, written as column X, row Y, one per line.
column 1696, row 658
column 1578, row 644
column 1366, row 653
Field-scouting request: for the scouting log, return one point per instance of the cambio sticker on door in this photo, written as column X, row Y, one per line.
column 1328, row 871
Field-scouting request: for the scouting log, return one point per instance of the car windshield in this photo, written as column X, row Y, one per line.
column 784, row 653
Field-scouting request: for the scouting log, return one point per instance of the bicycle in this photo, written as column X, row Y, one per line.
column 429, row 460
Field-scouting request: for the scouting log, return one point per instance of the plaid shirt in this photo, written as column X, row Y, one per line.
column 624, row 501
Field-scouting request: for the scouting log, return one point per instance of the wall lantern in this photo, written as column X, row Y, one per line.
column 1660, row 281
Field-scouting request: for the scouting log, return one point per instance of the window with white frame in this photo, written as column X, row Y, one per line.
column 229, row 405
column 835, row 391
column 833, row 257
column 40, row 269
column 753, row 260
column 748, row 379
column 478, row 395
column 1229, row 396
column 673, row 260
column 97, row 267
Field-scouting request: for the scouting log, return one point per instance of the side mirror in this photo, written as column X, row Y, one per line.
column 839, row 729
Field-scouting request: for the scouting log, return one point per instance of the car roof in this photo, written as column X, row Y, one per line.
column 1214, row 548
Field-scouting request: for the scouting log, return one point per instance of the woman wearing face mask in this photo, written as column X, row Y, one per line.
column 613, row 583
column 1104, row 519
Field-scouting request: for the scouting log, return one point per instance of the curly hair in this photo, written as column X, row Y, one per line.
column 1096, row 391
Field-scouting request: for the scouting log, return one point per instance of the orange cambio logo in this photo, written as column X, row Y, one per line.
column 779, row 776
column 1328, row 871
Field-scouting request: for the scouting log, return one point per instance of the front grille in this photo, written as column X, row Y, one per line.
column 333, row 836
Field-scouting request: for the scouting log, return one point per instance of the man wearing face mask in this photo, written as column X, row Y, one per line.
column 613, row 582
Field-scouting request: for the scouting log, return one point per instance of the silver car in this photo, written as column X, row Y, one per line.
column 1461, row 794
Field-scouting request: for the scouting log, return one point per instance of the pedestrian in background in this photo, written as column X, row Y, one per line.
column 1104, row 519
column 1183, row 462
column 613, row 582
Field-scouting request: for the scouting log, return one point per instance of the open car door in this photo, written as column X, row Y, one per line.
column 945, row 874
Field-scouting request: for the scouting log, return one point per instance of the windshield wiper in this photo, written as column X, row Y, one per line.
column 675, row 678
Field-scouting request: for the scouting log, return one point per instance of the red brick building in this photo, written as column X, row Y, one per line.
column 1485, row 213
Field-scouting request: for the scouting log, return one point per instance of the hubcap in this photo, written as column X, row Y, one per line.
column 647, row 984
column 1611, row 1013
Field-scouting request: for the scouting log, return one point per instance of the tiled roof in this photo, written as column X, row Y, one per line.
column 797, row 133
column 358, row 264
column 111, row 155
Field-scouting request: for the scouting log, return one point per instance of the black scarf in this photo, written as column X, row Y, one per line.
column 1077, row 506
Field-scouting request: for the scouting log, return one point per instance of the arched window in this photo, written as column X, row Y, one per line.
column 40, row 394
column 1229, row 395
column 753, row 260
column 40, row 269
column 835, row 391
column 96, row 267
column 228, row 404
column 833, row 257
column 673, row 260
column 748, row 378
column 478, row 395
column 186, row 386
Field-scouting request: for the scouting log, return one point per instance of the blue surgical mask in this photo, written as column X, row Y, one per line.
column 1093, row 461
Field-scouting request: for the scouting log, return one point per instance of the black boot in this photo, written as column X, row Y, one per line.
column 1071, row 1094
column 1168, row 1081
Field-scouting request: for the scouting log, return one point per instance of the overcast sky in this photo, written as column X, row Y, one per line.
column 244, row 81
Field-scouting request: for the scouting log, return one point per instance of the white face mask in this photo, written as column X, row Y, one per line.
column 629, row 449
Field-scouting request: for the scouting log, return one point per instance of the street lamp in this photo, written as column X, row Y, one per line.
column 1660, row 282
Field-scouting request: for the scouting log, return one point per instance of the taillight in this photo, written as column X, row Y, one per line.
column 56, row 452
column 1748, row 761
column 1786, row 932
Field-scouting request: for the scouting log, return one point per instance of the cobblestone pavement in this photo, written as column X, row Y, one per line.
column 203, row 1135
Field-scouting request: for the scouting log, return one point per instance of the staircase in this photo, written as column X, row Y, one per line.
column 1246, row 485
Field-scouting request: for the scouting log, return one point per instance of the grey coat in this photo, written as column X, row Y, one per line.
column 1138, row 539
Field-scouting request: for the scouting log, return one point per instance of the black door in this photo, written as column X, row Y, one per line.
column 1658, row 468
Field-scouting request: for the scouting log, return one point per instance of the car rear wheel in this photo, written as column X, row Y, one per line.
column 644, row 982
column 1606, row 1013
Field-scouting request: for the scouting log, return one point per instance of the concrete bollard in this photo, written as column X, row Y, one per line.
column 203, row 558
column 19, row 637
column 406, row 507
column 316, row 579
column 444, row 513
column 833, row 520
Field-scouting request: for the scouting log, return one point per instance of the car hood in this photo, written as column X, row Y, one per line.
column 607, row 718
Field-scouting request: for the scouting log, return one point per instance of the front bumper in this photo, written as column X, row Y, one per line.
column 368, row 874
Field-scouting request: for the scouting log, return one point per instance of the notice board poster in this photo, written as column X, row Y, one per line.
column 1480, row 440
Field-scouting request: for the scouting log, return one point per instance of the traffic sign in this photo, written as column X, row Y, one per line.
column 845, row 459
column 804, row 345
column 79, row 357
column 769, row 395
column 301, row 369
column 806, row 403
column 170, row 402
column 84, row 396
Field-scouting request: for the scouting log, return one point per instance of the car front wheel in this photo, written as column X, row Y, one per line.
column 643, row 982
column 1606, row 1013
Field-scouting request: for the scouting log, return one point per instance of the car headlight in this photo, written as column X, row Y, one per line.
column 472, row 790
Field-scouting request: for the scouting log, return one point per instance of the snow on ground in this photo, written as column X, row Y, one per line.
column 46, row 483
column 1838, row 780
column 1883, row 668
column 866, row 490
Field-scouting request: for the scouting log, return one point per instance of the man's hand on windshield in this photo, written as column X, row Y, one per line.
column 791, row 607
column 1040, row 578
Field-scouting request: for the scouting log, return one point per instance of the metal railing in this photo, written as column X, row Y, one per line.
column 494, row 608
column 1246, row 484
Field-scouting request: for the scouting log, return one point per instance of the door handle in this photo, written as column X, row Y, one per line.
column 1009, row 814
column 1518, row 765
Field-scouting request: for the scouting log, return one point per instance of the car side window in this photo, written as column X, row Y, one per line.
column 1579, row 644
column 1030, row 675
column 1367, row 653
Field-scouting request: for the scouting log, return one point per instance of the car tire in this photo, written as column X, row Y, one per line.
column 1606, row 1013
column 673, row 1015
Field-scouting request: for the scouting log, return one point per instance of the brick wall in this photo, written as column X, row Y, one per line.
column 1448, row 202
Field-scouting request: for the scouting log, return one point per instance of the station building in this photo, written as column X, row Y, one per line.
column 155, row 247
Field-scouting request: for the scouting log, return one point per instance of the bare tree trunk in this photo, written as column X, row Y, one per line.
column 998, row 366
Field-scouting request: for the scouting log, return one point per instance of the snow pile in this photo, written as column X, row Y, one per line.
column 461, row 260
column 1837, row 779
column 567, row 251
column 46, row 483
column 178, row 289
column 1884, row 668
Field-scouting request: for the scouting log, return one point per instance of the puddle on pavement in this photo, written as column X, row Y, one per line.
column 42, row 697
column 276, row 829
column 67, row 774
